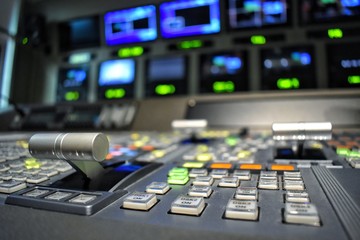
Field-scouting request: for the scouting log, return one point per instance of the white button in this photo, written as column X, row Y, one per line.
column 11, row 186
column 229, row 182
column 36, row 193
column 246, row 193
column 355, row 163
column 83, row 198
column 242, row 174
column 36, row 179
column 239, row 209
column 203, row 181
column 268, row 184
column 292, row 174
column 301, row 213
column 58, row 196
column 200, row 191
column 198, row 172
column 293, row 185
column 219, row 173
column 140, row 201
column 268, row 174
column 158, row 188
column 297, row 196
column 188, row 205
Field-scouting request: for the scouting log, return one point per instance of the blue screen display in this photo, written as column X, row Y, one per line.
column 131, row 25
column 225, row 65
column 117, row 72
column 257, row 13
column 74, row 78
column 167, row 68
column 189, row 17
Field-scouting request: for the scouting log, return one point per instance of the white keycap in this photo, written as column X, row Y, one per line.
column 188, row 205
column 83, row 198
column 200, row 191
column 140, row 201
column 203, row 181
column 219, row 173
column 242, row 174
column 293, row 185
column 157, row 188
column 198, row 172
column 58, row 196
column 301, row 213
column 297, row 196
column 268, row 184
column 244, row 210
column 229, row 182
column 246, row 193
column 36, row 192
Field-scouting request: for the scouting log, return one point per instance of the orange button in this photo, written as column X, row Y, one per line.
column 251, row 166
column 148, row 148
column 282, row 167
column 221, row 166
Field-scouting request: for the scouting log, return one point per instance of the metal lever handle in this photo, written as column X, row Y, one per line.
column 302, row 131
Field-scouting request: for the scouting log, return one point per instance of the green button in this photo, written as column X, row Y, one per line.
column 178, row 172
column 354, row 154
column 342, row 151
column 179, row 180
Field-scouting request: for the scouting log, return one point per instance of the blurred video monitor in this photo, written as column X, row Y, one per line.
column 257, row 13
column 166, row 76
column 131, row 25
column 79, row 33
column 318, row 11
column 344, row 65
column 288, row 68
column 73, row 84
column 189, row 18
column 116, row 79
column 223, row 72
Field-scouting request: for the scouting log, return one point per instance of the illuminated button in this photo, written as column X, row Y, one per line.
column 221, row 166
column 282, row 167
column 157, row 187
column 188, row 205
column 158, row 153
column 244, row 154
column 219, row 173
column 297, row 196
column 36, row 193
column 58, row 196
column 204, row 157
column 178, row 171
column 247, row 193
column 11, row 186
column 203, row 181
column 178, row 179
column 200, row 191
column 193, row 165
column 198, row 172
column 140, row 201
column 242, row 174
column 251, row 166
column 342, row 151
column 83, row 198
column 268, row 184
column 301, row 213
column 244, row 210
column 293, row 185
column 232, row 182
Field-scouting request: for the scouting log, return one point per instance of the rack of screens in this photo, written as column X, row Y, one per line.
column 166, row 76
column 288, row 68
column 328, row 10
column 344, row 65
column 79, row 33
column 183, row 18
column 131, row 25
column 116, row 79
column 244, row 14
column 223, row 72
column 73, row 84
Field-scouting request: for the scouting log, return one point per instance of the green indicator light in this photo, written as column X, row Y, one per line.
column 190, row 44
column 78, row 58
column 354, row 154
column 335, row 33
column 124, row 52
column 223, row 87
column 193, row 165
column 342, row 151
column 115, row 93
column 354, row 79
column 137, row 51
column 25, row 41
column 72, row 96
column 165, row 89
column 178, row 180
column 178, row 171
column 258, row 40
column 231, row 141
column 288, row 83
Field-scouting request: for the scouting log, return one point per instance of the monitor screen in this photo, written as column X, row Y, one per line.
column 166, row 69
column 344, row 65
column 328, row 10
column 288, row 68
column 257, row 13
column 117, row 72
column 189, row 17
column 73, row 77
column 131, row 25
column 79, row 33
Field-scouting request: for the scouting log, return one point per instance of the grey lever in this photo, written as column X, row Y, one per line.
column 302, row 131
column 84, row 151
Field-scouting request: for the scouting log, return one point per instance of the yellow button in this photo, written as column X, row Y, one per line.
column 204, row 157
column 221, row 166
column 193, row 165
column 251, row 166
column 282, row 167
column 244, row 154
column 158, row 153
column 202, row 148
